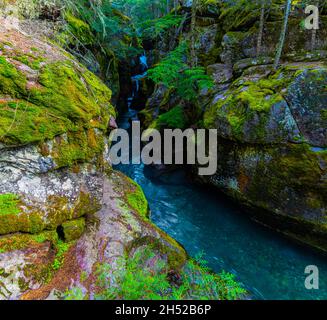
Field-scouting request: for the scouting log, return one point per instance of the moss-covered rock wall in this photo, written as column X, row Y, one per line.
column 271, row 124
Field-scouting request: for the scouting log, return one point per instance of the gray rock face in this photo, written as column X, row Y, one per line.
column 19, row 161
column 56, row 194
column 307, row 99
column 158, row 96
column 243, row 64
column 206, row 46
column 232, row 48
column 256, row 73
column 221, row 73
column 207, row 38
column 272, row 153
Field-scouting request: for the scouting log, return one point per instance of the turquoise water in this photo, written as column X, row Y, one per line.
column 268, row 265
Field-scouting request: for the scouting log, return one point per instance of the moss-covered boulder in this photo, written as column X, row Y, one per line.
column 54, row 120
column 207, row 43
column 50, row 263
column 73, row 229
column 272, row 153
column 47, row 93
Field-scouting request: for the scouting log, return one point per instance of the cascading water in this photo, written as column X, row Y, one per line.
column 136, row 79
column 144, row 61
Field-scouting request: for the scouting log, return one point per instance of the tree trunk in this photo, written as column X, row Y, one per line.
column 262, row 21
column 314, row 33
column 177, row 33
column 175, row 6
column 283, row 34
column 313, row 39
column 193, row 24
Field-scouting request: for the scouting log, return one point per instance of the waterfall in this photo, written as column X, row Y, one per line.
column 143, row 63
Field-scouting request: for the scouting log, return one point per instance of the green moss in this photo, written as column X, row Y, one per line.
column 236, row 122
column 73, row 229
column 324, row 114
column 43, row 271
column 146, row 117
column 12, row 81
column 22, row 122
column 263, row 94
column 80, row 146
column 176, row 255
column 258, row 99
column 137, row 200
column 9, row 204
column 51, row 215
column 65, row 97
column 20, row 221
column 30, row 60
column 23, row 284
column 21, row 241
column 81, row 30
column 212, row 57
column 46, row 110
column 295, row 165
column 249, row 102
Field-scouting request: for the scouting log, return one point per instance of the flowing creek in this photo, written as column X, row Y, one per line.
column 268, row 265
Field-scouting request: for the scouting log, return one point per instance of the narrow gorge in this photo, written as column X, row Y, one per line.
column 75, row 227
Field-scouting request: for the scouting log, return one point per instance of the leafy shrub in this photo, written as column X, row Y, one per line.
column 174, row 119
column 134, row 279
column 156, row 27
column 174, row 73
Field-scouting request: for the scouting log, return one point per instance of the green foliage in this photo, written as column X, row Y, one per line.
column 137, row 200
column 156, row 27
column 174, row 73
column 99, row 25
column 9, row 204
column 61, row 248
column 193, row 80
column 142, row 10
column 74, row 294
column 174, row 119
column 134, row 279
column 200, row 283
column 168, row 71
